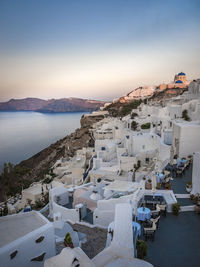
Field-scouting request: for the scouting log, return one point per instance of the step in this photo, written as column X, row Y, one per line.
column 182, row 195
column 187, row 208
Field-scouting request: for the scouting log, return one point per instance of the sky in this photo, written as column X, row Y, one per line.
column 95, row 49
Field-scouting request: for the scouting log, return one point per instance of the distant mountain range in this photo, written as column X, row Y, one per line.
column 52, row 105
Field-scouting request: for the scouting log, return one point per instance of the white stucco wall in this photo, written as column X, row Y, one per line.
column 188, row 136
column 104, row 213
column 28, row 249
column 196, row 174
column 67, row 214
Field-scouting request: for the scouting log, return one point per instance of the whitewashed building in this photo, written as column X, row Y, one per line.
column 27, row 239
column 186, row 138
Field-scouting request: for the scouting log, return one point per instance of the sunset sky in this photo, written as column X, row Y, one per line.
column 95, row 49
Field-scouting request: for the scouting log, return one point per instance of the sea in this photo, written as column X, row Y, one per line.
column 23, row 134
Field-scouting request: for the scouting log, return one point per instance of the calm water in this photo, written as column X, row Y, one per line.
column 23, row 134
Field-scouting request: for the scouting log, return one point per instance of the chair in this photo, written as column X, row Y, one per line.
column 166, row 173
column 163, row 209
column 179, row 171
column 167, row 180
column 149, row 232
column 155, row 213
column 156, row 220
column 147, row 224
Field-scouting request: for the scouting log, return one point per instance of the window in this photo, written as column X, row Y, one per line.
column 13, row 254
column 39, row 258
column 41, row 238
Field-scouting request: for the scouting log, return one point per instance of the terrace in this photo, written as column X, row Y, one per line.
column 176, row 241
column 177, row 237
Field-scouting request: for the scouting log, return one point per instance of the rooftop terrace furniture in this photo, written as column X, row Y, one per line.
column 148, row 224
column 149, row 234
column 156, row 220
column 143, row 214
column 166, row 173
column 153, row 200
column 166, row 180
column 155, row 213
column 150, row 206
column 163, row 209
column 137, row 227
column 179, row 171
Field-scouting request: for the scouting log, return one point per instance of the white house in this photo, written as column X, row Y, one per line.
column 186, row 137
column 27, row 239
column 119, row 253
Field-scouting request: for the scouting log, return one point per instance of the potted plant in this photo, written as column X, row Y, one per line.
column 192, row 197
column 197, row 207
column 148, row 184
column 167, row 186
column 196, row 199
column 158, row 186
column 141, row 247
column 68, row 241
column 189, row 187
column 176, row 208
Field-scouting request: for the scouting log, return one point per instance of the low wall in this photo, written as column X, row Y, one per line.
column 67, row 214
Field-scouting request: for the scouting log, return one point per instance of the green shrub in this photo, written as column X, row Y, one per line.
column 141, row 247
column 176, row 208
column 168, row 186
column 189, row 184
column 146, row 125
column 127, row 108
column 48, row 180
column 158, row 186
column 68, row 239
column 134, row 125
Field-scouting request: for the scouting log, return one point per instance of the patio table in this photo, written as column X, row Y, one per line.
column 138, row 228
column 143, row 214
column 181, row 162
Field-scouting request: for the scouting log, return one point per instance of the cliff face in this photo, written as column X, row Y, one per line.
column 52, row 105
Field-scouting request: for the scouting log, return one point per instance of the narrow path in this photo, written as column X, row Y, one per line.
column 96, row 238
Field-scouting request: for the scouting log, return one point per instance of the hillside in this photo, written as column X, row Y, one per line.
column 124, row 105
column 52, row 105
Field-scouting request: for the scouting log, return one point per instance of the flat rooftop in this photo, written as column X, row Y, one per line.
column 13, row 227
column 183, row 123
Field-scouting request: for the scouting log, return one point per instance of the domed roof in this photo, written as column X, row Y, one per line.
column 95, row 196
column 181, row 74
column 179, row 81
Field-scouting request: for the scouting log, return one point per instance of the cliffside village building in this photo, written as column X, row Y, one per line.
column 128, row 178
